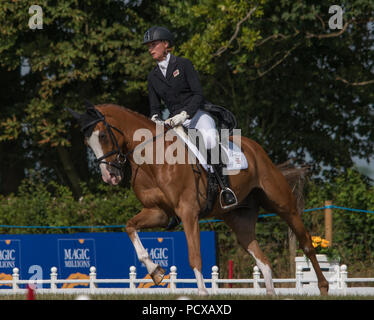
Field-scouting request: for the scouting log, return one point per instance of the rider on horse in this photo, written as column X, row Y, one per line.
column 175, row 81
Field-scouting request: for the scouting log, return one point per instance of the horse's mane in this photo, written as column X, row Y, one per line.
column 137, row 114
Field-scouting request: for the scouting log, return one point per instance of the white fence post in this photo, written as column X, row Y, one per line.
column 132, row 277
column 343, row 278
column 340, row 282
column 336, row 277
column 214, row 279
column 92, row 278
column 53, row 279
column 173, row 277
column 299, row 276
column 15, row 278
column 256, row 277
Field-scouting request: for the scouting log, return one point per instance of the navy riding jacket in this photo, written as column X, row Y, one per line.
column 180, row 90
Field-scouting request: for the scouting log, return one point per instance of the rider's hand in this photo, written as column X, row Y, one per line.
column 157, row 120
column 177, row 119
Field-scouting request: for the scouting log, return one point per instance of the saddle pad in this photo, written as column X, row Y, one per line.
column 236, row 158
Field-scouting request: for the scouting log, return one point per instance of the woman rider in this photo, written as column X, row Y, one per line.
column 175, row 81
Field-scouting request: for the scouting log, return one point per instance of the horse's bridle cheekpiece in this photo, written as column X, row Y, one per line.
column 88, row 121
column 121, row 157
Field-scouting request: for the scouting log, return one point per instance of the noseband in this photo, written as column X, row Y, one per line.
column 121, row 157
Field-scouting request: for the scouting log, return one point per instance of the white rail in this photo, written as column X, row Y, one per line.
column 298, row 285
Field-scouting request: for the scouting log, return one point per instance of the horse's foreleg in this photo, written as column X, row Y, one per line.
column 192, row 231
column 147, row 218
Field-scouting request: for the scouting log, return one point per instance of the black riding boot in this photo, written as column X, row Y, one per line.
column 227, row 195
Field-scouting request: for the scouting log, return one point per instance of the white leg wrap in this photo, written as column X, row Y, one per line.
column 143, row 255
column 200, row 282
column 266, row 272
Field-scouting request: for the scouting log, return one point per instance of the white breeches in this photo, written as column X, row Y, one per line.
column 203, row 122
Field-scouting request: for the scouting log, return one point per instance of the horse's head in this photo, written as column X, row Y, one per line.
column 105, row 140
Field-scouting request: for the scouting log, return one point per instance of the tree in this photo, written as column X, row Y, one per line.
column 86, row 50
column 297, row 87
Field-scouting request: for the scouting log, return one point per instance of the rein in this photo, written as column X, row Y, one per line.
column 121, row 158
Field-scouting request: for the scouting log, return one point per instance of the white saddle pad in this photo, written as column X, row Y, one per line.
column 236, row 158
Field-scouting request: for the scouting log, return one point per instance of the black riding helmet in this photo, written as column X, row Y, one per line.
column 158, row 33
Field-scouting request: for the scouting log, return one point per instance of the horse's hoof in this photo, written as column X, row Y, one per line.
column 157, row 275
column 271, row 293
column 324, row 289
column 203, row 292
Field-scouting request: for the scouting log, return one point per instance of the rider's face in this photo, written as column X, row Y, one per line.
column 157, row 49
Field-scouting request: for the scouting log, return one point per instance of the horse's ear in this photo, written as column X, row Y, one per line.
column 75, row 114
column 89, row 104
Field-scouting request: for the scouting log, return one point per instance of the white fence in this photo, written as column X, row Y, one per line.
column 339, row 284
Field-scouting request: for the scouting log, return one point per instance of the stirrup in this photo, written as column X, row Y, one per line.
column 221, row 196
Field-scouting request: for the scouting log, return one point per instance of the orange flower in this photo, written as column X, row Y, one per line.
column 324, row 243
column 316, row 239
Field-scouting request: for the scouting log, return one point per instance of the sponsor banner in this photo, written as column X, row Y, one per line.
column 9, row 259
column 161, row 251
column 76, row 257
column 111, row 253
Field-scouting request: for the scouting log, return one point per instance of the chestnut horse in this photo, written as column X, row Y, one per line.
column 178, row 189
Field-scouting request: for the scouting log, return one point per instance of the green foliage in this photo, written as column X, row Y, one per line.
column 284, row 73
column 210, row 25
column 80, row 52
column 288, row 78
column 39, row 204
column 295, row 86
column 352, row 231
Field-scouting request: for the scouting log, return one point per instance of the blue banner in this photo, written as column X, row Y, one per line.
column 10, row 257
column 111, row 253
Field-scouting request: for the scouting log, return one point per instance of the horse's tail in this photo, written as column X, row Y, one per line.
column 296, row 177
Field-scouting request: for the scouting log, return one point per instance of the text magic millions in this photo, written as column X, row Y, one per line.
column 7, row 258
column 77, row 258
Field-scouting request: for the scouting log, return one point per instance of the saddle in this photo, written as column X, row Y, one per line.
column 225, row 119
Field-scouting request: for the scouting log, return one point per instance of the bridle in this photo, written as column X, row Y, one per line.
column 121, row 157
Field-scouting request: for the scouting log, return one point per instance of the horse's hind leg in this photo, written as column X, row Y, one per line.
column 147, row 218
column 294, row 221
column 242, row 222
column 279, row 198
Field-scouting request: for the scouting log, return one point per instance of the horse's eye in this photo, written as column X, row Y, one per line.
column 102, row 135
